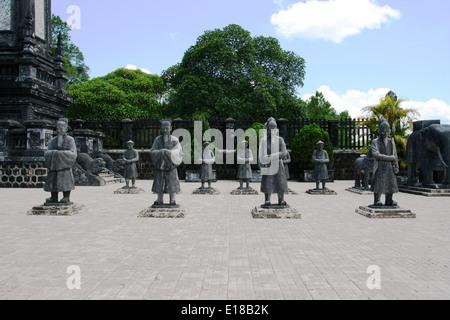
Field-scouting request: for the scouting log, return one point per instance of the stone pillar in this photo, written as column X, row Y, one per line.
column 282, row 127
column 84, row 139
column 177, row 123
column 230, row 123
column 333, row 131
column 6, row 141
column 127, row 125
column 39, row 134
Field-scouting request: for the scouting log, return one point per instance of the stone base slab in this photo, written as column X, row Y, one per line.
column 211, row 191
column 249, row 191
column 359, row 191
column 171, row 213
column 385, row 212
column 428, row 192
column 129, row 191
column 273, row 213
column 57, row 210
column 321, row 192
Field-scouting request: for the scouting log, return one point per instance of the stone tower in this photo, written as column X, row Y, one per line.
column 33, row 91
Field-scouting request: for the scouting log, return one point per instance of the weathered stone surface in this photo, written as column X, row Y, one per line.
column 321, row 192
column 276, row 213
column 170, row 213
column 428, row 192
column 245, row 192
column 57, row 210
column 361, row 191
column 373, row 212
column 130, row 190
column 211, row 191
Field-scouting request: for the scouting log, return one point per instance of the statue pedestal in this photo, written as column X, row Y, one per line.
column 211, row 191
column 163, row 211
column 57, row 210
column 275, row 212
column 361, row 191
column 321, row 192
column 126, row 190
column 423, row 191
column 245, row 192
column 385, row 212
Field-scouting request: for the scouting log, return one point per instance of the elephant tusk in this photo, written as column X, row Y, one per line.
column 440, row 157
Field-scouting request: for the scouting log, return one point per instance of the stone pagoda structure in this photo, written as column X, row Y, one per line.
column 32, row 90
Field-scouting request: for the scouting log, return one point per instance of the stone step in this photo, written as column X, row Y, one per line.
column 429, row 192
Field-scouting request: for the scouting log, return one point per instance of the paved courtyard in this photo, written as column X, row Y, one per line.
column 218, row 251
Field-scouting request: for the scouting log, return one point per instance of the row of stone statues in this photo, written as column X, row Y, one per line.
column 166, row 154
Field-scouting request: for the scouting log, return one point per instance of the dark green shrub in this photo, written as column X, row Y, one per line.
column 304, row 144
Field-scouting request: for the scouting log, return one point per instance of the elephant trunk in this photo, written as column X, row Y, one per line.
column 440, row 157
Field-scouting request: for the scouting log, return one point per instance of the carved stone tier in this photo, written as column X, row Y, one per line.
column 428, row 192
column 321, row 192
column 130, row 190
column 57, row 209
column 244, row 192
column 211, row 191
column 361, row 191
column 163, row 211
column 275, row 212
column 385, row 212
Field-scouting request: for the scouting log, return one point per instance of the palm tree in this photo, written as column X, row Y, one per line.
column 400, row 120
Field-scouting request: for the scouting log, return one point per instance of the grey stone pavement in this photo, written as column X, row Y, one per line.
column 218, row 251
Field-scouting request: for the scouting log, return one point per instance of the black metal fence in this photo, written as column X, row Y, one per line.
column 350, row 134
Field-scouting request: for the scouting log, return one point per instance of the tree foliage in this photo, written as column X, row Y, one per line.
column 76, row 68
column 400, row 120
column 317, row 107
column 304, row 144
column 119, row 95
column 228, row 73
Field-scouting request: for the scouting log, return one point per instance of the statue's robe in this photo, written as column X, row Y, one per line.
column 244, row 160
column 166, row 157
column 384, row 179
column 130, row 168
column 320, row 159
column 272, row 182
column 59, row 161
column 206, row 170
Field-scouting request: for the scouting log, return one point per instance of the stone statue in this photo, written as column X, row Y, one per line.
column 207, row 159
column 320, row 159
column 60, row 157
column 286, row 162
column 130, row 159
column 166, row 154
column 271, row 163
column 244, row 160
column 384, row 153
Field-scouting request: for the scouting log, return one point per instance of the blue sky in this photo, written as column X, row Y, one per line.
column 355, row 50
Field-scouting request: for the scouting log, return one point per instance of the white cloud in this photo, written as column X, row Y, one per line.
column 134, row 67
column 332, row 20
column 354, row 101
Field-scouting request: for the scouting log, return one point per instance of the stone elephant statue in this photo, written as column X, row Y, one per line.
column 363, row 164
column 428, row 149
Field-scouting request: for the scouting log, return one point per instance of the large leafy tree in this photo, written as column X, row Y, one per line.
column 119, row 95
column 76, row 68
column 317, row 107
column 228, row 73
column 400, row 120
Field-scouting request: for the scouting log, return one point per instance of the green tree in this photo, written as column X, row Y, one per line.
column 76, row 68
column 317, row 107
column 304, row 144
column 400, row 120
column 228, row 73
column 119, row 95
